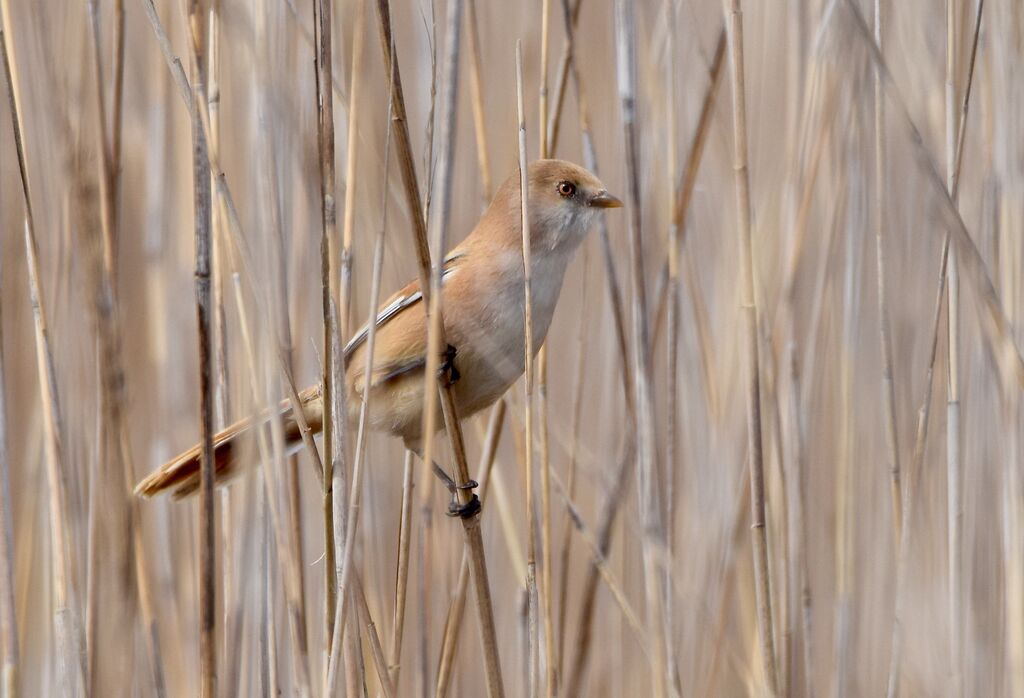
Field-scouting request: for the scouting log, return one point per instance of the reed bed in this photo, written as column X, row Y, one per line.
column 728, row 472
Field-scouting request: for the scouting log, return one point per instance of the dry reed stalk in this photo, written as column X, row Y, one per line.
column 453, row 623
column 402, row 570
column 290, row 572
column 202, row 206
column 994, row 322
column 531, row 535
column 119, row 513
column 601, row 563
column 431, row 299
column 566, row 67
column 648, row 485
column 884, row 336
column 347, row 551
column 954, row 466
column 546, row 602
column 614, row 498
column 8, row 615
column 334, row 423
column 672, row 349
column 762, row 579
column 845, row 483
column 71, row 672
column 726, row 581
column 577, row 410
column 233, row 603
column 471, row 524
column 921, row 433
column 476, row 85
column 198, row 109
column 380, row 664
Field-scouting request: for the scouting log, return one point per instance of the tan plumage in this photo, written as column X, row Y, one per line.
column 483, row 315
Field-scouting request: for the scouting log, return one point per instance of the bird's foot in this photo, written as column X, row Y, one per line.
column 447, row 371
column 455, row 507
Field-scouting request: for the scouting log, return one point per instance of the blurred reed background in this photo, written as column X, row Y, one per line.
column 885, row 552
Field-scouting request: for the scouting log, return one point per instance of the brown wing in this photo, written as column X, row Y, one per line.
column 405, row 342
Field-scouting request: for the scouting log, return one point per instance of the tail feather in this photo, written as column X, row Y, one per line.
column 180, row 476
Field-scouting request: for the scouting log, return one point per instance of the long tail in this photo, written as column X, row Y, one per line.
column 180, row 476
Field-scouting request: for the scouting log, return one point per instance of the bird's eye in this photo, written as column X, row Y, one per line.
column 566, row 189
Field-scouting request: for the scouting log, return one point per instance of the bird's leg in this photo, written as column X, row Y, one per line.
column 455, row 508
column 463, row 511
column 447, row 370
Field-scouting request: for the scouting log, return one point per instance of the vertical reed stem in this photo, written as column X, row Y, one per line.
column 762, row 580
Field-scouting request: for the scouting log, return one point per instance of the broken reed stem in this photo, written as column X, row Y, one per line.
column 201, row 222
column 531, row 535
column 333, row 422
column 453, row 623
column 762, row 580
column 648, row 484
column 885, row 339
column 71, row 672
column 476, row 86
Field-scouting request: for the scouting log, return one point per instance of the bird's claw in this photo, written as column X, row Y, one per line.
column 447, row 371
column 455, row 507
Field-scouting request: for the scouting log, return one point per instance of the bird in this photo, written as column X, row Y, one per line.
column 483, row 300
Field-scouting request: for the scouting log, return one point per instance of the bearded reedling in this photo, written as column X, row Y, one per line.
column 482, row 287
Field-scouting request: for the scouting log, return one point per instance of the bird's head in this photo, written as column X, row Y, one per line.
column 564, row 201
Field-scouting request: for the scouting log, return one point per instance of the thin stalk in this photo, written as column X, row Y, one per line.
column 884, row 336
column 997, row 331
column 546, row 601
column 402, row 571
column 954, row 466
column 202, row 206
column 601, row 562
column 476, row 85
column 762, row 580
column 334, row 423
column 71, row 672
column 648, row 484
column 290, row 573
column 347, row 551
column 121, row 515
column 924, row 412
column 8, row 616
column 453, row 624
column 577, row 410
column 440, row 221
column 531, row 535
column 233, row 602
